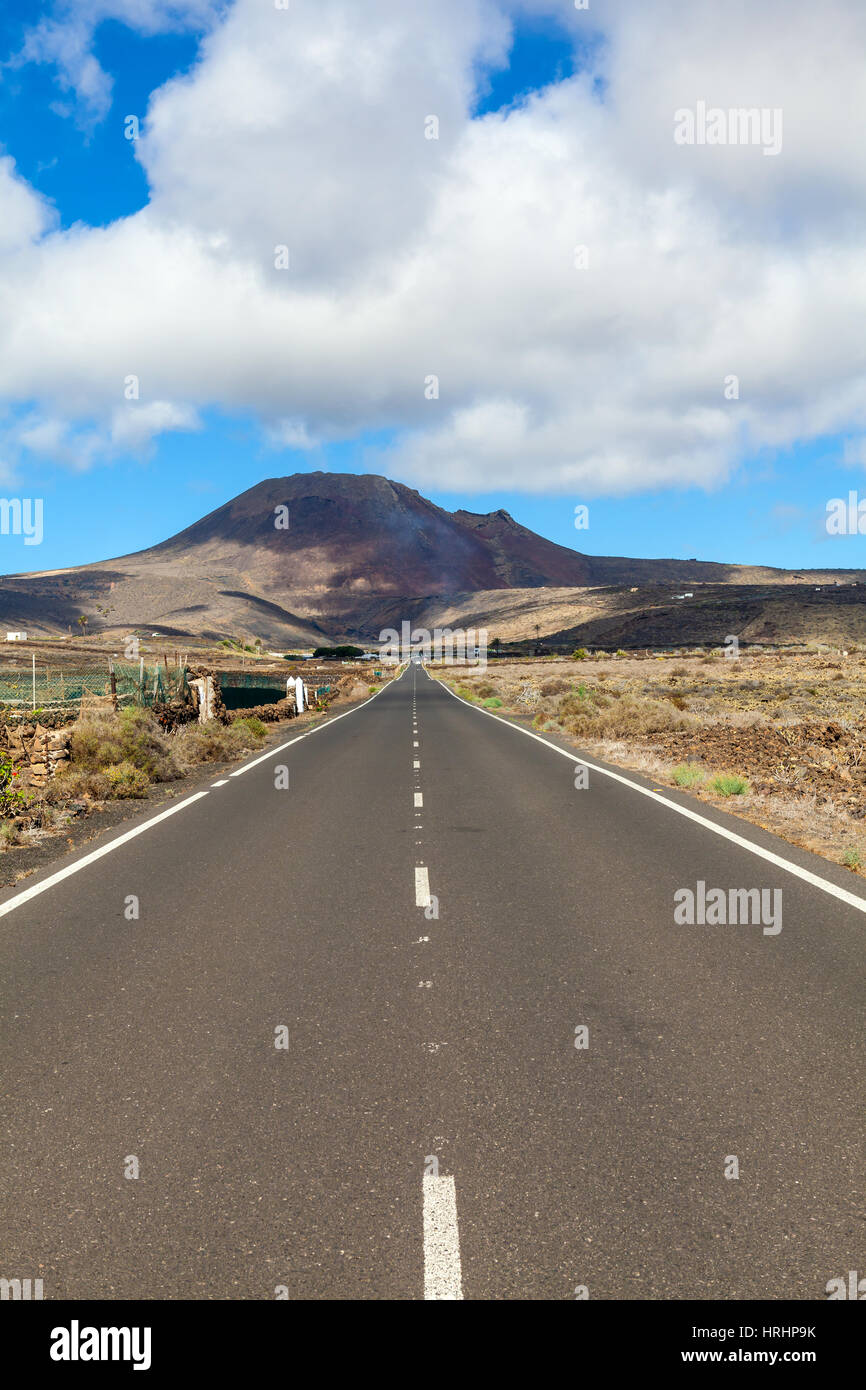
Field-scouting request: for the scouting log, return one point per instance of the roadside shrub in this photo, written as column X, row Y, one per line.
column 12, row 799
column 626, row 717
column 730, row 785
column 92, row 746
column 10, row 834
column 126, row 780
column 214, row 742
column 579, row 654
column 688, row 775
column 208, row 743
column 493, row 703
column 105, row 739
column 851, row 859
column 76, row 782
column 555, row 686
column 253, row 726
column 45, row 815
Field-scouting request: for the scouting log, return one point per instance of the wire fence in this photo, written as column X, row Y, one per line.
column 65, row 687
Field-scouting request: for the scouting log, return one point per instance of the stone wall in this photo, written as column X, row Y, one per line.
column 269, row 714
column 35, row 751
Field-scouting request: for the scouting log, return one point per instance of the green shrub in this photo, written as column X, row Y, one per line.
column 730, row 785
column 209, row 743
column 493, row 703
column 126, row 780
column 688, row 775
column 12, row 798
column 251, row 725
column 851, row 859
column 579, row 654
column 75, row 782
column 103, row 740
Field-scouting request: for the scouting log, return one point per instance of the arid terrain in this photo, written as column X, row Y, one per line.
column 776, row 738
column 318, row 558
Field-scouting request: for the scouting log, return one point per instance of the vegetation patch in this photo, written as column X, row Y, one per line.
column 688, row 775
column 729, row 784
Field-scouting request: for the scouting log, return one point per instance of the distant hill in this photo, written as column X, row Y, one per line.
column 359, row 553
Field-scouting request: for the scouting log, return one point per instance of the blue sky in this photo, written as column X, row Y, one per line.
column 766, row 506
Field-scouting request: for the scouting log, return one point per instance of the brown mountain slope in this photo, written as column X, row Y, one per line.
column 359, row 553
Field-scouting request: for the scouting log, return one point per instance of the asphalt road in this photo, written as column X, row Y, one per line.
column 430, row 1127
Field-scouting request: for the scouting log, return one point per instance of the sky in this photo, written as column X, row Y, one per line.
column 498, row 250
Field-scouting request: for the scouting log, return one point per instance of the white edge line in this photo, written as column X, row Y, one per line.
column 443, row 1278
column 823, row 883
column 46, row 883
column 94, row 855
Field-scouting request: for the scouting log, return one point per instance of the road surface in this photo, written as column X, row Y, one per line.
column 428, row 919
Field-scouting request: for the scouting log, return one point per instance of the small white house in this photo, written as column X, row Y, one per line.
column 16, row 636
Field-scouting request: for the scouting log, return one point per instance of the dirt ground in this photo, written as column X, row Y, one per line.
column 789, row 731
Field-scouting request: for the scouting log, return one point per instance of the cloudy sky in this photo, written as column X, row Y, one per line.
column 458, row 242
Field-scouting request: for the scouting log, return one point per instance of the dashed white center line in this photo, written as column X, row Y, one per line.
column 422, row 888
column 416, row 763
column 419, row 799
column 443, row 1278
column 415, row 743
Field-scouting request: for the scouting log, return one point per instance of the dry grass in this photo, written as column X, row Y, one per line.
column 625, row 709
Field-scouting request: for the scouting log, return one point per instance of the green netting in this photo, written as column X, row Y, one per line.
column 254, row 680
column 55, row 687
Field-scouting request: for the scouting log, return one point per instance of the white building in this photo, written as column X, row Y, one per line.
column 16, row 636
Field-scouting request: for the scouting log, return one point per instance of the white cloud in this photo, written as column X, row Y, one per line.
column 134, row 425
column 25, row 215
column 291, row 434
column 456, row 257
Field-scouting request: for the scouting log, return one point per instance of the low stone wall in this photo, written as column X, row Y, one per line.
column 35, row 751
column 174, row 713
column 268, row 714
column 47, row 718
